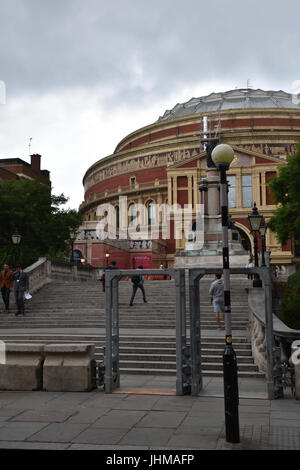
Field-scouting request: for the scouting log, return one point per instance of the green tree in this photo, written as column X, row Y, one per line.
column 290, row 302
column 28, row 207
column 285, row 189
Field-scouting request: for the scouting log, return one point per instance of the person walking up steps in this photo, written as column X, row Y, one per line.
column 216, row 291
column 21, row 287
column 137, row 283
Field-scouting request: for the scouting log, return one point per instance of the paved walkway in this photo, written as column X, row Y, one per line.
column 145, row 413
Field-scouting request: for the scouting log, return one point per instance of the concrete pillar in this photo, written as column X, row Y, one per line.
column 69, row 367
column 22, row 369
column 213, row 194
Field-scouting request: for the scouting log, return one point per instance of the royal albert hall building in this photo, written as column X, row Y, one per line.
column 164, row 161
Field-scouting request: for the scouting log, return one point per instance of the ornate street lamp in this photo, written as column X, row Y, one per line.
column 107, row 255
column 16, row 239
column 73, row 235
column 222, row 156
column 263, row 231
column 255, row 220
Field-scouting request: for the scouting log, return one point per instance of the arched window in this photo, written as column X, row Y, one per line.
column 117, row 212
column 151, row 212
column 131, row 214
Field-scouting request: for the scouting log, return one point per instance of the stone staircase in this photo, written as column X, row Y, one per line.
column 73, row 311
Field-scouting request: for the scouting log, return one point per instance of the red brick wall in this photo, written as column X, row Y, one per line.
column 142, row 176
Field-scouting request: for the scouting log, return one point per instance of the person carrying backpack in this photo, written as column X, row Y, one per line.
column 137, row 283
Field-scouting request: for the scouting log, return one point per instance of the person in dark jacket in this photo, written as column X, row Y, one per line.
column 216, row 291
column 137, row 283
column 21, row 287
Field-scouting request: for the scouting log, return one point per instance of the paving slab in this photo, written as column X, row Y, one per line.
column 191, row 441
column 44, row 416
column 19, row 431
column 87, row 415
column 174, row 403
column 147, row 437
column 102, row 436
column 121, row 419
column 162, row 419
column 137, row 402
column 58, row 432
column 32, row 445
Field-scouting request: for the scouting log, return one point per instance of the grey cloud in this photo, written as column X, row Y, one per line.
column 50, row 45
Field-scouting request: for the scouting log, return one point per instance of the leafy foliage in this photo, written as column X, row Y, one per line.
column 285, row 189
column 28, row 207
column 290, row 306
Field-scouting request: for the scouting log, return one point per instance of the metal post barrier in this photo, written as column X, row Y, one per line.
column 196, row 372
column 108, row 337
column 183, row 368
column 274, row 382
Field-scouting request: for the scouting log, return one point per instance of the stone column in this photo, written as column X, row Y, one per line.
column 213, row 193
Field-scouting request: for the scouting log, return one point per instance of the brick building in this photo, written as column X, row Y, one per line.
column 163, row 162
column 16, row 168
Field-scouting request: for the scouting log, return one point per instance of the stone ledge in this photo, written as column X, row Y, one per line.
column 23, row 367
column 69, row 367
column 70, row 348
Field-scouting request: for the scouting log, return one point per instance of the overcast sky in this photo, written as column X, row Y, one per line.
column 82, row 74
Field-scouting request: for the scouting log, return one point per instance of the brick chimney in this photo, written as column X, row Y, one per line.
column 36, row 162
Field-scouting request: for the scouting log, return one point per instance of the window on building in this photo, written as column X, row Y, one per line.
column 131, row 214
column 247, row 190
column 117, row 211
column 151, row 212
column 232, row 191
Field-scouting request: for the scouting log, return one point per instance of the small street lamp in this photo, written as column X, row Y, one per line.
column 107, row 255
column 16, row 239
column 73, row 235
column 263, row 231
column 255, row 220
column 222, row 156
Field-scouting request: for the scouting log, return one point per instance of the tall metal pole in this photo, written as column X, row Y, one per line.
column 263, row 249
column 257, row 281
column 231, row 393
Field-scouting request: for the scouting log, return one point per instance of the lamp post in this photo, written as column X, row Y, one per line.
column 16, row 239
column 222, row 156
column 255, row 219
column 107, row 255
column 73, row 235
column 262, row 231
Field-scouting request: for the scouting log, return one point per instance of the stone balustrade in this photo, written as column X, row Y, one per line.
column 283, row 335
column 45, row 270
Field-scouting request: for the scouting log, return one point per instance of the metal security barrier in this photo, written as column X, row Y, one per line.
column 112, row 357
column 274, row 382
column 188, row 356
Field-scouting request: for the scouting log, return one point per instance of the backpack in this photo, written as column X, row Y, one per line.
column 136, row 279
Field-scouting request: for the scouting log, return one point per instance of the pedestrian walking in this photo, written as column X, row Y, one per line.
column 250, row 265
column 137, row 283
column 21, row 287
column 113, row 265
column 216, row 291
column 6, row 284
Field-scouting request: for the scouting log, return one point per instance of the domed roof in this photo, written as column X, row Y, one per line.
column 244, row 98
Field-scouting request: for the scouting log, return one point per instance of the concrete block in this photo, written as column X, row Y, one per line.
column 69, row 367
column 22, row 369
